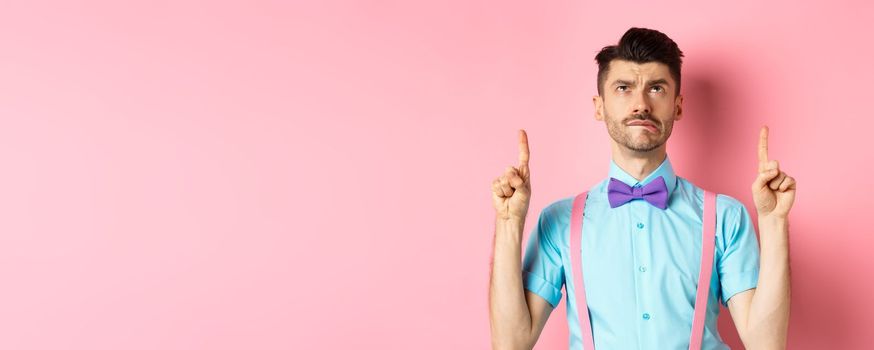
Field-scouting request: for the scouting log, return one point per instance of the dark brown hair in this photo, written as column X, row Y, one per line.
column 641, row 45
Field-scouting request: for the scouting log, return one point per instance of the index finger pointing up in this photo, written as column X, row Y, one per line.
column 763, row 147
column 523, row 147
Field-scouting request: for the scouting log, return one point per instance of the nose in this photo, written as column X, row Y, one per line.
column 641, row 104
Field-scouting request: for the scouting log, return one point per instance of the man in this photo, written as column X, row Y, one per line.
column 640, row 260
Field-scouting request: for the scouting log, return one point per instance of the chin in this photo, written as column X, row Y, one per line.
column 644, row 147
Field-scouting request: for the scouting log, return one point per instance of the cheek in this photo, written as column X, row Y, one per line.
column 616, row 109
column 665, row 109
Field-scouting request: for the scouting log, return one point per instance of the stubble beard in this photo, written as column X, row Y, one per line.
column 622, row 134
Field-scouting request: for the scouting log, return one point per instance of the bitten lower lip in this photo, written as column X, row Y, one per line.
column 647, row 126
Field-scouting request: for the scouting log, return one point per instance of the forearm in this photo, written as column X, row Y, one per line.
column 508, row 310
column 768, row 320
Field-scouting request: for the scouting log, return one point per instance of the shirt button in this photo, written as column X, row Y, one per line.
column 642, row 269
column 645, row 316
column 639, row 225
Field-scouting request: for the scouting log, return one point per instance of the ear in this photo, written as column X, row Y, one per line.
column 679, row 107
column 598, row 101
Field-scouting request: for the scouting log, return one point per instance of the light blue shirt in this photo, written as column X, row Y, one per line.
column 641, row 263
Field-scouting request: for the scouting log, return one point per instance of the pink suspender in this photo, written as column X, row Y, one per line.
column 707, row 243
column 708, row 236
column 576, row 268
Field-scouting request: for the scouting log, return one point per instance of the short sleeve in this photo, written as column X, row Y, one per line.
column 542, row 265
column 739, row 265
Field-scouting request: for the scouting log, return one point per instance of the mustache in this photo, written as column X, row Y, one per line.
column 644, row 117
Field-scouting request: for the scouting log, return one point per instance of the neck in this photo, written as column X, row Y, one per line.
column 638, row 164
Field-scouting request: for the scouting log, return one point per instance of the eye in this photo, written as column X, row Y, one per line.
column 657, row 88
column 621, row 87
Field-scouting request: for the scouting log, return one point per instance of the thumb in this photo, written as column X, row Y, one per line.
column 524, row 172
column 764, row 177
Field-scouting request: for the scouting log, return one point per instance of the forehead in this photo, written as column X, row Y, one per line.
column 622, row 69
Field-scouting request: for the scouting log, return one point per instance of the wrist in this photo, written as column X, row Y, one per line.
column 773, row 220
column 512, row 225
column 774, row 232
column 509, row 223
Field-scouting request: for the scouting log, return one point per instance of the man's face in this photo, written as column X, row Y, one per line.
column 634, row 93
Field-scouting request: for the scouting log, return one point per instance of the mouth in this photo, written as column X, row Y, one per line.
column 646, row 125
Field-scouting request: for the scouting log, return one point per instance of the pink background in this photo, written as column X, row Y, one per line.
column 266, row 175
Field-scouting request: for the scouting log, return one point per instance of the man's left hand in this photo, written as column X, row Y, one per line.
column 773, row 190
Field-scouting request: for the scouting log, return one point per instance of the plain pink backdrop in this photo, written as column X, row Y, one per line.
column 316, row 175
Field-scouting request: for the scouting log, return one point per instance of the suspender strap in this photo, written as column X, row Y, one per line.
column 579, row 290
column 707, row 244
column 577, row 270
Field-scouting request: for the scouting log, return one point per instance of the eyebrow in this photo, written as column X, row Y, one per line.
column 631, row 82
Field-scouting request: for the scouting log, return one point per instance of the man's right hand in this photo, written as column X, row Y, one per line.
column 511, row 192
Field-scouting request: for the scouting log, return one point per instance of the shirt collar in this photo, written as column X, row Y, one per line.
column 664, row 170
